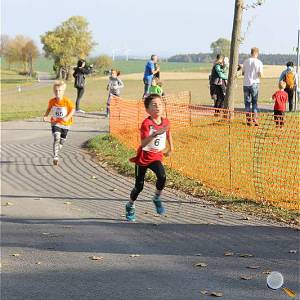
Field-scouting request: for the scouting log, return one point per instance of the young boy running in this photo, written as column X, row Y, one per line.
column 155, row 87
column 155, row 133
column 62, row 110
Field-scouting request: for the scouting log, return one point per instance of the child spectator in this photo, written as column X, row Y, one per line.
column 113, row 87
column 280, row 98
column 156, row 87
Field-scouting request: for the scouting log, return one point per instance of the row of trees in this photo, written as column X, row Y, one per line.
column 20, row 49
column 267, row 59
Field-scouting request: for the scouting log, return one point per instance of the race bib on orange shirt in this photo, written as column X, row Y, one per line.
column 59, row 112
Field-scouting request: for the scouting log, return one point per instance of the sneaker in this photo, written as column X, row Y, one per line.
column 158, row 205
column 130, row 212
column 55, row 161
column 80, row 111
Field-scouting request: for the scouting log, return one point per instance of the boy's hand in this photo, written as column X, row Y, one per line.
column 45, row 118
column 161, row 131
column 168, row 153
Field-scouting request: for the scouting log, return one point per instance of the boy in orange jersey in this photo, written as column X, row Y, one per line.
column 62, row 110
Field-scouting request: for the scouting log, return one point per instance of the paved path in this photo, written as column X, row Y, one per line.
column 58, row 217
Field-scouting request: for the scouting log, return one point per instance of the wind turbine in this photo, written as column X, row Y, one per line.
column 126, row 52
column 114, row 51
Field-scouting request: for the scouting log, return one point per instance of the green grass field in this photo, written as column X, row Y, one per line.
column 41, row 64
column 137, row 66
column 33, row 102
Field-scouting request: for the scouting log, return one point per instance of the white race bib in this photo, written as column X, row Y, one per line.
column 59, row 112
column 158, row 143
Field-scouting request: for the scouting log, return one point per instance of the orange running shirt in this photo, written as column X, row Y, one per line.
column 59, row 110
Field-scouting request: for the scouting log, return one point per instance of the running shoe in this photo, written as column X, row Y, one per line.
column 55, row 161
column 80, row 111
column 130, row 212
column 158, row 205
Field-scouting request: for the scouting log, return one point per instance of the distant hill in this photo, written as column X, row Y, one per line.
column 267, row 59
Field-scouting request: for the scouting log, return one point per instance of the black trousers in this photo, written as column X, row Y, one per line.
column 219, row 96
column 80, row 92
column 140, row 172
column 279, row 118
column 290, row 93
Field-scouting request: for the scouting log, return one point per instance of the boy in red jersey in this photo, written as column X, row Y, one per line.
column 62, row 110
column 280, row 97
column 155, row 133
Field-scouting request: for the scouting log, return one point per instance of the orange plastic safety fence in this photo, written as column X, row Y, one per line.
column 260, row 163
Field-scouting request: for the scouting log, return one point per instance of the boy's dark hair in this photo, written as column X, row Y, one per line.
column 80, row 63
column 149, row 99
column 152, row 56
column 290, row 64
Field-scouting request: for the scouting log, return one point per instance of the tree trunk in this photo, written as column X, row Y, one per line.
column 234, row 53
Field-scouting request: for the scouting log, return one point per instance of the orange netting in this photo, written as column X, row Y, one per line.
column 259, row 163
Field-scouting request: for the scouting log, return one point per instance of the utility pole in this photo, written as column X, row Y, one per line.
column 297, row 73
column 234, row 53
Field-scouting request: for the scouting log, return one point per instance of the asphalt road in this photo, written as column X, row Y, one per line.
column 55, row 218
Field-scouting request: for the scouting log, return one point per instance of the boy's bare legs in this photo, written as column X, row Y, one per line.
column 56, row 146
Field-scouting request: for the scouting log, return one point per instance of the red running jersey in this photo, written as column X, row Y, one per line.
column 154, row 150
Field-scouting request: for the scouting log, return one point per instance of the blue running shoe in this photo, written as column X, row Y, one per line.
column 158, row 205
column 130, row 212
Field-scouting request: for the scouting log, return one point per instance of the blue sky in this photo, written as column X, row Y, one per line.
column 164, row 27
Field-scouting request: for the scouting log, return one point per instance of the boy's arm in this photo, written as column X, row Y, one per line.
column 69, row 115
column 47, row 113
column 121, row 84
column 170, row 141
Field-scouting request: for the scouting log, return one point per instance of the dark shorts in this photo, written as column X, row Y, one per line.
column 278, row 113
column 63, row 132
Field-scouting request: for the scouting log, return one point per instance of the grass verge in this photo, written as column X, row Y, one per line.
column 111, row 153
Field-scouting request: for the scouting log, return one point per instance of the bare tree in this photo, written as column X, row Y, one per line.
column 4, row 40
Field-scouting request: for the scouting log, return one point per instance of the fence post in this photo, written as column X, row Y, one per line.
column 190, row 107
column 229, row 153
